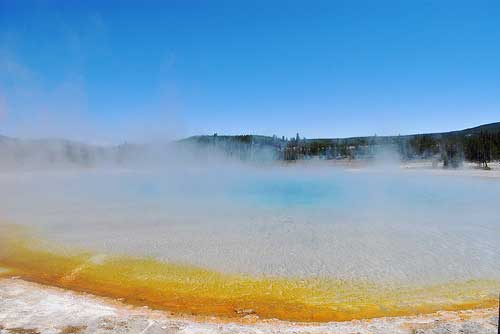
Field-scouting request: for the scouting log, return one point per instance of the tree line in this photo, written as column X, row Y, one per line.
column 452, row 150
column 449, row 149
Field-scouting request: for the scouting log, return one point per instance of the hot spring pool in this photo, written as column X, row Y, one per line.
column 365, row 230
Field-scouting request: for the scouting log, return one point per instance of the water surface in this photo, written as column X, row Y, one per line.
column 406, row 229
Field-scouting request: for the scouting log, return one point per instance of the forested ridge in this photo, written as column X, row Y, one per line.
column 480, row 145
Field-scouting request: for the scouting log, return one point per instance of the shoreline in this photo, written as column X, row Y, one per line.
column 31, row 308
column 192, row 290
column 23, row 299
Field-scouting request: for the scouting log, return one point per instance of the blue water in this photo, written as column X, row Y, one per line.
column 375, row 193
column 406, row 226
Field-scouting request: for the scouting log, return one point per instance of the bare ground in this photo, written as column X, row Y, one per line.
column 29, row 308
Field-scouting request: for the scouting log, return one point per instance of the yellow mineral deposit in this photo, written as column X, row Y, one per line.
column 190, row 290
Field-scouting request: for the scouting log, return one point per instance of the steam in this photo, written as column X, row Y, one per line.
column 34, row 105
column 301, row 220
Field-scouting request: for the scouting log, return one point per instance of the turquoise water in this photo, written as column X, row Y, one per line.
column 417, row 196
column 379, row 225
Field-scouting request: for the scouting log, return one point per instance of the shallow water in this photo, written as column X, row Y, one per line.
column 294, row 243
column 377, row 226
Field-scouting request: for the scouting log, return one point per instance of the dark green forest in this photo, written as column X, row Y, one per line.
column 480, row 145
column 448, row 149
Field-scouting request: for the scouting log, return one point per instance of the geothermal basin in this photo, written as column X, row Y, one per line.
column 295, row 243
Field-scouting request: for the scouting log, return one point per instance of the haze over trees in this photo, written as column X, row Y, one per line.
column 480, row 145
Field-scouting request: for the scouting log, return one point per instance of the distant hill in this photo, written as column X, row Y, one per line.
column 35, row 153
column 489, row 128
column 49, row 153
column 453, row 145
column 477, row 143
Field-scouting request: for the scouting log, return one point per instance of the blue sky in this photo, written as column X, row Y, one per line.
column 108, row 71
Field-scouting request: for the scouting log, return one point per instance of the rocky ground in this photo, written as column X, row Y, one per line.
column 29, row 308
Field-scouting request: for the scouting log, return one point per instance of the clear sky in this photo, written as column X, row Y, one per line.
column 108, row 71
